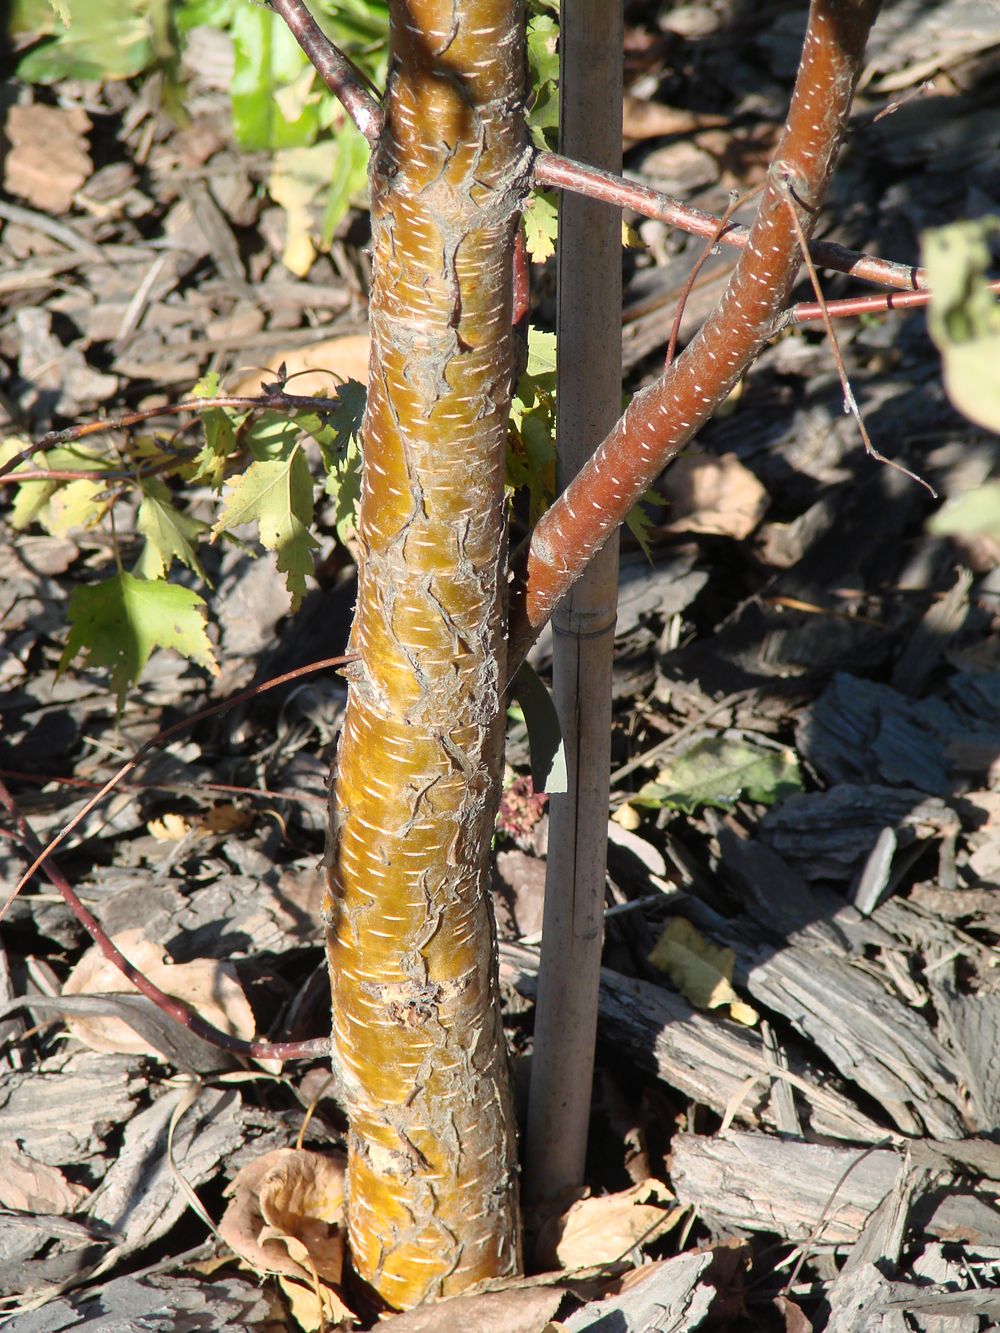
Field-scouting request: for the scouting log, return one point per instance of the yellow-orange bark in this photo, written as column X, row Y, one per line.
column 432, row 1201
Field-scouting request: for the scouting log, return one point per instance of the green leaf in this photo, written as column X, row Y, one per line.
column 341, row 447
column 964, row 316
column 543, row 67
column 268, row 60
column 975, row 512
column 641, row 525
column 61, row 505
column 277, row 496
column 717, row 771
column 349, row 180
column 170, row 534
column 119, row 622
column 219, row 425
column 541, row 226
column 541, row 356
column 545, row 741
column 104, row 39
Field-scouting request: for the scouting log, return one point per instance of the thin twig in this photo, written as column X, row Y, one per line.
column 158, row 740
column 557, row 172
column 276, row 401
column 222, row 788
column 850, row 402
column 735, row 202
column 176, row 1009
column 347, row 83
column 851, row 306
column 172, row 1007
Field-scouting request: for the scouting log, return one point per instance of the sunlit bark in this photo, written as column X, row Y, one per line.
column 416, row 1020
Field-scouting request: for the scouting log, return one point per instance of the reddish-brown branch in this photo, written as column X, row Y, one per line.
column 662, row 418
column 338, row 72
column 176, row 1009
column 852, row 306
column 556, row 172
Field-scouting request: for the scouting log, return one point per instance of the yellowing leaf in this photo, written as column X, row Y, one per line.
column 170, row 534
column 701, row 971
column 171, row 828
column 964, row 316
column 206, row 985
column 541, row 226
column 297, row 177
column 119, row 622
column 975, row 512
column 627, row 817
column 277, row 495
column 60, row 505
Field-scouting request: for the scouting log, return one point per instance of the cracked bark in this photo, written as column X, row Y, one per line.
column 432, row 1193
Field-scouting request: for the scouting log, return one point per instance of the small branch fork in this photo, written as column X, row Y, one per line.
column 176, row 1009
column 662, row 418
column 553, row 171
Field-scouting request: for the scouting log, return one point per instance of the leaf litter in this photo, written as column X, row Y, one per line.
column 797, row 608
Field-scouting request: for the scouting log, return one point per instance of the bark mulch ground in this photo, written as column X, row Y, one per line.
column 819, row 1148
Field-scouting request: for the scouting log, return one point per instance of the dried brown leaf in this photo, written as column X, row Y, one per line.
column 206, row 985
column 712, row 495
column 285, row 1214
column 326, row 364
column 31, row 1186
column 594, row 1231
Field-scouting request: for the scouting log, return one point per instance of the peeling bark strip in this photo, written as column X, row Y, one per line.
column 660, row 420
column 416, row 1017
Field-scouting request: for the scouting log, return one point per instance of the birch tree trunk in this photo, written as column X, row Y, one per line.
column 432, row 1192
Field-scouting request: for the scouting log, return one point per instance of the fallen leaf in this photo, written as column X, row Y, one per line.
column 31, row 1186
column 599, row 1230
column 171, row 828
column 713, row 495
column 208, row 986
column 701, row 971
column 643, row 119
column 285, row 1217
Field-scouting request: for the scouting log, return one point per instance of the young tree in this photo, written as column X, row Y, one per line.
column 444, row 618
column 416, row 1019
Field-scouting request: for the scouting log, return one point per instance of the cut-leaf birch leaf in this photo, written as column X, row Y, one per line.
column 170, row 533
column 700, row 970
column 277, row 495
column 117, row 623
column 208, row 986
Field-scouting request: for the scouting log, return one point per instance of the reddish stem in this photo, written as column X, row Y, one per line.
column 257, row 1050
column 662, row 418
column 554, row 171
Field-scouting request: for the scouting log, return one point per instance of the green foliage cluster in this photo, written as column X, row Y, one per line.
column 259, row 465
column 264, row 469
